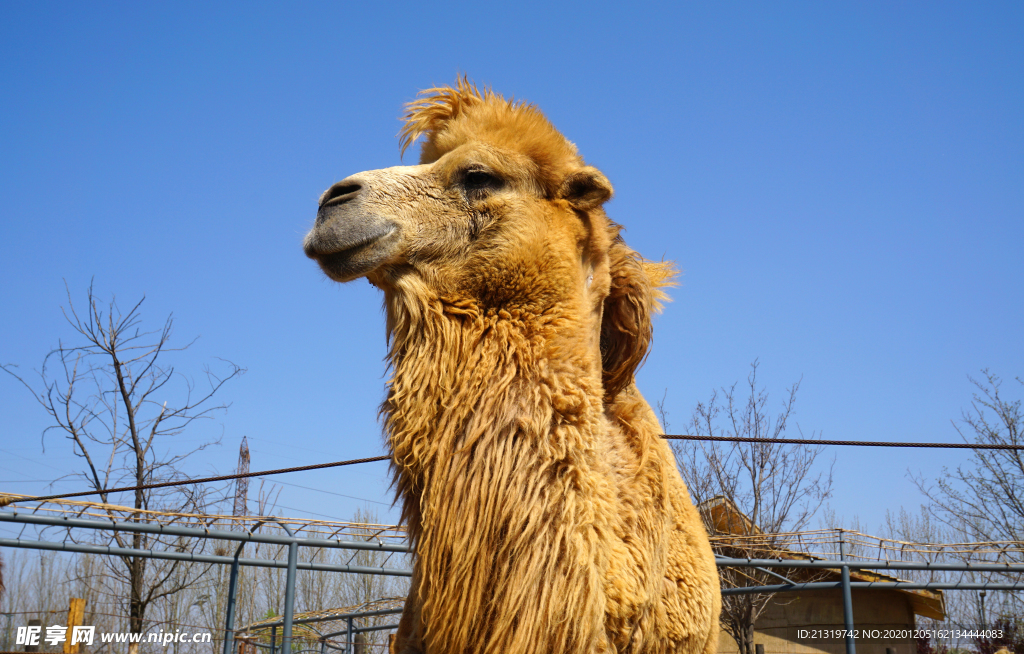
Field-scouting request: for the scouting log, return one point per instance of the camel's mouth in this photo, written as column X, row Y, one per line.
column 347, row 252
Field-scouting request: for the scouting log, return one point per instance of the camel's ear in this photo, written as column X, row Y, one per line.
column 586, row 189
column 626, row 330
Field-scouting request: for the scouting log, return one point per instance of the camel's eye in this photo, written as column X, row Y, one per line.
column 479, row 182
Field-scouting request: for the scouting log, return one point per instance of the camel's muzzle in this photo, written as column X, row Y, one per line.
column 346, row 242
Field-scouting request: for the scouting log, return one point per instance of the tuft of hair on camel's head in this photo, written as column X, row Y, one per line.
column 545, row 512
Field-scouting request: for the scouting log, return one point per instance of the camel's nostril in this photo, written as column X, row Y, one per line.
column 343, row 191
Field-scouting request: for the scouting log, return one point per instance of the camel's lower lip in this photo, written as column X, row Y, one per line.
column 354, row 259
column 336, row 259
column 350, row 250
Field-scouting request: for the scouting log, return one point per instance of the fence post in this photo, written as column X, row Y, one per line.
column 289, row 597
column 76, row 613
column 289, row 589
column 851, row 647
column 229, row 620
column 34, row 622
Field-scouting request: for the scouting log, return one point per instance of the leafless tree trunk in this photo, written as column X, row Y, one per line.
column 775, row 487
column 120, row 407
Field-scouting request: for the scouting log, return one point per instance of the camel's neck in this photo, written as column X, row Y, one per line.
column 494, row 424
column 469, row 385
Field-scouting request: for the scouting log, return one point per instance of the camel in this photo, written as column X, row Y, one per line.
column 545, row 513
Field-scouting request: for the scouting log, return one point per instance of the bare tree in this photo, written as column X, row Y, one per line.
column 775, row 487
column 121, row 406
column 852, row 548
column 982, row 500
column 921, row 527
column 984, row 497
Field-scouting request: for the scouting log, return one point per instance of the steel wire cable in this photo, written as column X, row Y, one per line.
column 319, row 466
column 185, row 482
column 815, row 441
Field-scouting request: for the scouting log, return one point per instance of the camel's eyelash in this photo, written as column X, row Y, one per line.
column 479, row 182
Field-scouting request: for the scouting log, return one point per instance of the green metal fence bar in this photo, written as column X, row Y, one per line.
column 219, row 534
column 83, row 548
column 870, row 565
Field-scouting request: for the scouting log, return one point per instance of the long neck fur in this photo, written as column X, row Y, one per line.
column 494, row 420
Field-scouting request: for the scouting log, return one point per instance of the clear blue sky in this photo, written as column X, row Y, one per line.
column 842, row 183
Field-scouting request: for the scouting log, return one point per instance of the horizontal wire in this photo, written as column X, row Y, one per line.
column 204, row 480
column 815, row 441
column 687, row 437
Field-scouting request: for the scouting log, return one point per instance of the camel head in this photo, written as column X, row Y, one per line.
column 501, row 214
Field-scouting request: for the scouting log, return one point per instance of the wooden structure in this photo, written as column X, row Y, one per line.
column 807, row 622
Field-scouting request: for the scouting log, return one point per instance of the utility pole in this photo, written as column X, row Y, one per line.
column 241, row 485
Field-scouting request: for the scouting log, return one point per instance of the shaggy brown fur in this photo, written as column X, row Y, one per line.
column 546, row 514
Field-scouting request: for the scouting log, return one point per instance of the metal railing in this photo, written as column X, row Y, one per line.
column 293, row 565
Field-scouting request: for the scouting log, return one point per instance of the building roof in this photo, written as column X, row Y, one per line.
column 732, row 530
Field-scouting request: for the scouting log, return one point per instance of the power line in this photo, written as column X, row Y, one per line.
column 320, row 466
column 204, row 480
column 320, row 490
column 814, row 441
column 306, row 511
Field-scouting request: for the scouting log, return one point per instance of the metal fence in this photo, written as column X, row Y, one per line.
column 294, row 541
